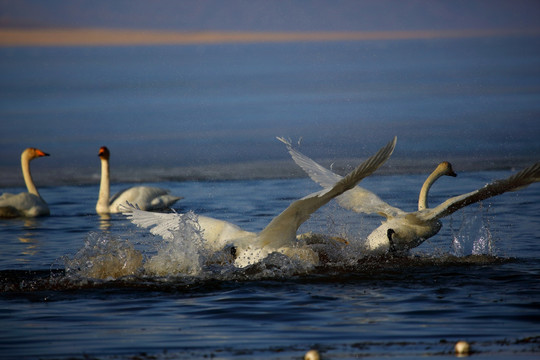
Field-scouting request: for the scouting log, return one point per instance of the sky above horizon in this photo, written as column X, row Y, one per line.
column 259, row 15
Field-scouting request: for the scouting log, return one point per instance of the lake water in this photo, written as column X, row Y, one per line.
column 201, row 121
column 477, row 280
column 187, row 107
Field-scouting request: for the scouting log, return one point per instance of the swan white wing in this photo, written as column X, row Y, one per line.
column 357, row 199
column 217, row 233
column 146, row 197
column 515, row 182
column 364, row 201
column 160, row 224
column 316, row 172
column 282, row 229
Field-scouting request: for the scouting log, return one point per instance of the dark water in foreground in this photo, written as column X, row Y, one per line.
column 477, row 280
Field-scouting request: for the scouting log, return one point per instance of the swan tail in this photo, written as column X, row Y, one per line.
column 164, row 201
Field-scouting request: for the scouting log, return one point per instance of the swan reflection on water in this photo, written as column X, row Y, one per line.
column 30, row 239
column 105, row 222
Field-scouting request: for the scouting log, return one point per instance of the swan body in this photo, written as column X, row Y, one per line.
column 145, row 197
column 279, row 235
column 25, row 204
column 402, row 230
column 409, row 230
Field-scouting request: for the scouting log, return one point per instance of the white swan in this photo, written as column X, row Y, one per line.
column 278, row 235
column 145, row 197
column 25, row 204
column 405, row 230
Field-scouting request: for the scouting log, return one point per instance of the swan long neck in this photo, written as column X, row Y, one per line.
column 104, row 187
column 422, row 198
column 25, row 165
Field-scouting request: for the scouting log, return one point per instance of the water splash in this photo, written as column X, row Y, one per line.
column 473, row 236
column 104, row 256
column 183, row 252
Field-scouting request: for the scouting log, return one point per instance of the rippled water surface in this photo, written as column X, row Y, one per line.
column 476, row 280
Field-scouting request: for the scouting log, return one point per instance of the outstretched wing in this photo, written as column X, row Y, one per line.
column 515, row 182
column 159, row 224
column 217, row 233
column 282, row 229
column 357, row 199
column 316, row 172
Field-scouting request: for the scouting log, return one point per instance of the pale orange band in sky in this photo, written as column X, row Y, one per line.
column 117, row 37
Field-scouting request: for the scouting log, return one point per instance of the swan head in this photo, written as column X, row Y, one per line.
column 392, row 247
column 445, row 168
column 104, row 153
column 33, row 153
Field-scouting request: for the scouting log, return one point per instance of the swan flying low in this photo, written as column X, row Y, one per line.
column 405, row 230
column 278, row 235
column 145, row 197
column 25, row 204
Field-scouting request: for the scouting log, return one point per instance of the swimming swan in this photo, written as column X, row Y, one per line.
column 25, row 204
column 145, row 197
column 405, row 230
column 278, row 235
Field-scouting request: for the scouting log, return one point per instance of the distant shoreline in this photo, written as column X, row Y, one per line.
column 279, row 169
column 65, row 37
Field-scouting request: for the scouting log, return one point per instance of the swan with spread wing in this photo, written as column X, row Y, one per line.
column 405, row 230
column 25, row 204
column 278, row 235
column 145, row 197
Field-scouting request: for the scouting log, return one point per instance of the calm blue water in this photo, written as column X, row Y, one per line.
column 185, row 106
column 170, row 114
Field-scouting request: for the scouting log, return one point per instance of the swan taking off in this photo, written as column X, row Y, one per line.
column 405, row 230
column 145, row 197
column 25, row 204
column 278, row 235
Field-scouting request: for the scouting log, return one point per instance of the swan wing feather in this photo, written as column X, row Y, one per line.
column 146, row 197
column 160, row 224
column 217, row 233
column 316, row 172
column 283, row 227
column 515, row 182
column 357, row 199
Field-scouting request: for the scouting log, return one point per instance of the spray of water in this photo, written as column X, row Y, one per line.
column 473, row 236
column 183, row 253
column 104, row 256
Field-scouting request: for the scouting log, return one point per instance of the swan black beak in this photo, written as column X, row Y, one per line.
column 392, row 248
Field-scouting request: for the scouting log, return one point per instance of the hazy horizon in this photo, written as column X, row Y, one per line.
column 261, row 15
